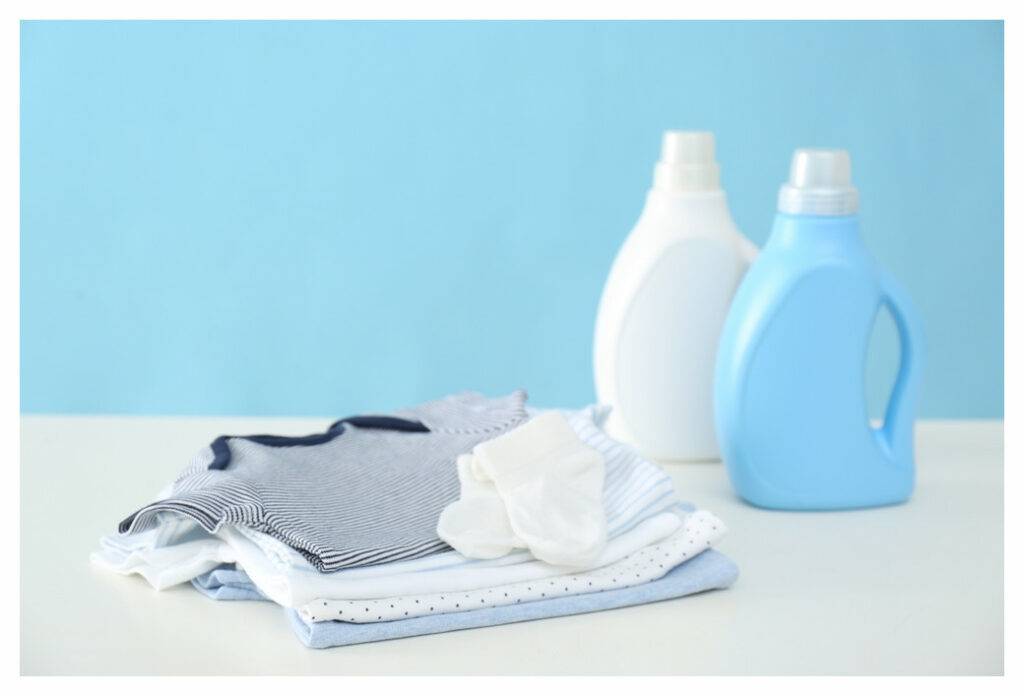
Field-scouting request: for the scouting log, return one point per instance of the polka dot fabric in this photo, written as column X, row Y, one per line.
column 700, row 531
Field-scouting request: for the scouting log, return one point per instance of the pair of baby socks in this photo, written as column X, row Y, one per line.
column 537, row 487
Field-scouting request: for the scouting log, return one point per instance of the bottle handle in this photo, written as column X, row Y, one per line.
column 897, row 431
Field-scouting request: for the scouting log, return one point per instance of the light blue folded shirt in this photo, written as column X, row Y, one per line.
column 709, row 571
column 226, row 582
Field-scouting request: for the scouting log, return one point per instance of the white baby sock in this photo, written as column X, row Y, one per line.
column 550, row 487
column 477, row 525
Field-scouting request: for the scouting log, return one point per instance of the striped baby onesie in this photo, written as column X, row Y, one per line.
column 367, row 491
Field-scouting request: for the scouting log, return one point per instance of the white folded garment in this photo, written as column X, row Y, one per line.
column 166, row 566
column 297, row 588
column 170, row 553
column 699, row 531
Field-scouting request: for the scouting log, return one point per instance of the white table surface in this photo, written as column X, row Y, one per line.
column 916, row 588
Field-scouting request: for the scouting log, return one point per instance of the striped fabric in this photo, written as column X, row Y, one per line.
column 366, row 492
column 635, row 489
column 636, row 492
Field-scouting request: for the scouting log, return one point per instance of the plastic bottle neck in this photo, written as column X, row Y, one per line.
column 674, row 177
column 710, row 203
column 825, row 233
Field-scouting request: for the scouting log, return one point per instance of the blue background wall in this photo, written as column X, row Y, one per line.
column 321, row 218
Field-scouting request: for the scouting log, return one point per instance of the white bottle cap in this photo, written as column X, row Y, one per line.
column 687, row 162
column 819, row 184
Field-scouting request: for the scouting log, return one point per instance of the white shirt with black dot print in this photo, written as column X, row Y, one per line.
column 700, row 531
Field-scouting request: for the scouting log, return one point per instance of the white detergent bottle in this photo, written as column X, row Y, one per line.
column 664, row 305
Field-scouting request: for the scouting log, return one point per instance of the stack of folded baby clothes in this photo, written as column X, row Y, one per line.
column 458, row 513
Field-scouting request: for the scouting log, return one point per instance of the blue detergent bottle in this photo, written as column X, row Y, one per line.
column 790, row 404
